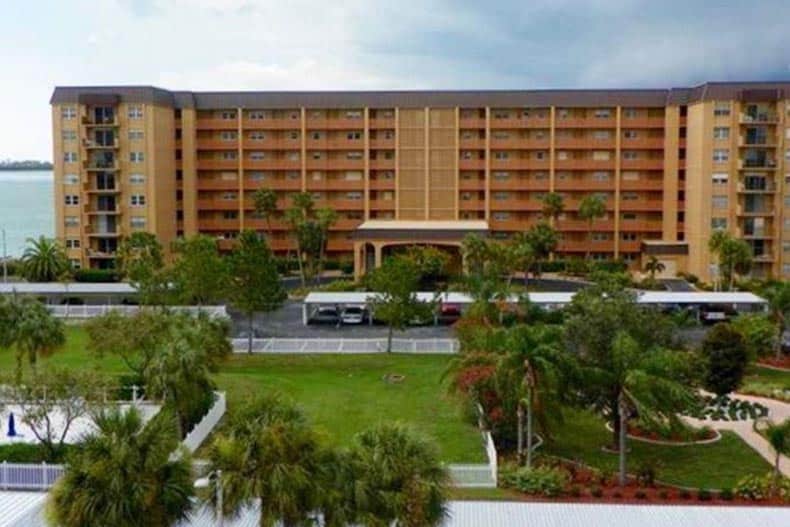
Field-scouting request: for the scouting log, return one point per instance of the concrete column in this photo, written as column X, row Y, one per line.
column 304, row 313
column 359, row 261
column 377, row 248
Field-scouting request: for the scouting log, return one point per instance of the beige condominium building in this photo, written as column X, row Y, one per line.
column 428, row 167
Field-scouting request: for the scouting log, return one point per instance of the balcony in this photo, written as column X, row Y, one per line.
column 101, row 165
column 641, row 225
column 642, row 122
column 345, row 224
column 518, row 143
column 271, row 164
column 218, row 225
column 757, row 164
column 273, row 143
column 278, row 183
column 472, row 204
column 218, row 164
column 217, row 184
column 757, row 142
column 335, row 184
column 471, row 164
column 583, row 226
column 382, row 144
column 218, row 204
column 217, row 144
column 384, row 123
column 472, row 184
column 381, row 184
column 341, row 204
column 336, row 124
column 584, row 143
column 382, row 204
column 100, row 255
column 646, row 205
column 759, row 117
column 580, row 246
column 102, row 211
column 586, row 122
column 642, row 164
column 520, row 183
column 217, row 124
column 335, row 144
column 754, row 211
column 520, row 122
column 104, row 189
column 382, row 164
column 520, row 164
column 90, row 144
column 643, row 143
column 516, row 204
column 585, row 164
column 279, row 123
column 757, row 188
column 477, row 143
column 103, row 121
column 337, row 163
column 474, row 123
column 642, row 184
column 576, row 184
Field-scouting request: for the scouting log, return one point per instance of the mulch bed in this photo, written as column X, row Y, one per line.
column 783, row 363
column 701, row 434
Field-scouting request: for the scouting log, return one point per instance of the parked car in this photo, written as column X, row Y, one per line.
column 353, row 315
column 449, row 313
column 325, row 315
column 711, row 314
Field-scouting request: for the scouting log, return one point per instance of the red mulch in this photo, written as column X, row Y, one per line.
column 702, row 435
column 784, row 362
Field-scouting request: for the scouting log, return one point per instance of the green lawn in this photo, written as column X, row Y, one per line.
column 767, row 382
column 342, row 394
column 717, row 465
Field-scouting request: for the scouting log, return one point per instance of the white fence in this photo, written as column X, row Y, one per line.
column 29, row 476
column 90, row 311
column 200, row 432
column 477, row 475
column 378, row 345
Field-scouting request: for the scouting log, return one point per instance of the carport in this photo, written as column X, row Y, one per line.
column 739, row 301
column 57, row 292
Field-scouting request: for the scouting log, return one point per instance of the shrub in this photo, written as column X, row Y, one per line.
column 704, row 495
column 346, row 266
column 663, row 494
column 726, row 359
column 96, row 275
column 726, row 494
column 610, row 266
column 752, row 488
column 646, row 474
column 758, row 333
column 545, row 481
column 617, row 494
column 577, row 267
column 684, row 494
column 575, row 491
column 596, row 492
column 640, row 495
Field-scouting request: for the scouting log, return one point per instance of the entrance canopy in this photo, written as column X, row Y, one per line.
column 419, row 231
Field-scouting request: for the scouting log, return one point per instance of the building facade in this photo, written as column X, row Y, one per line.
column 672, row 165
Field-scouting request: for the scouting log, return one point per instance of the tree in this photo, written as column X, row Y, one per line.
column 124, row 475
column 432, row 263
column 758, row 333
column 141, row 261
column 543, row 239
column 398, row 479
column 734, row 256
column 778, row 436
column 36, row 332
column 44, row 260
column 654, row 266
column 310, row 229
column 265, row 200
column 325, row 218
column 51, row 401
column 531, row 366
column 591, row 208
column 778, row 296
column 715, row 243
column 254, row 281
column 199, row 272
column 553, row 205
column 395, row 302
column 726, row 358
column 268, row 452
column 595, row 317
column 476, row 252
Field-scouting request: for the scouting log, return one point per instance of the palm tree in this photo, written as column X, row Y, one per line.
column 524, row 254
column 265, row 200
column 717, row 240
column 398, row 479
column 269, row 453
column 124, row 475
column 543, row 239
column 778, row 296
column 591, row 208
column 476, row 253
column 44, row 260
column 779, row 437
column 553, row 205
column 36, row 332
column 653, row 266
column 531, row 365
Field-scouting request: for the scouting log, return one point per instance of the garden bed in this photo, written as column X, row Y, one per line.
column 696, row 436
column 725, row 408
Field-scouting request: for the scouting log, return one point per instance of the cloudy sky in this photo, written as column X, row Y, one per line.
column 373, row 44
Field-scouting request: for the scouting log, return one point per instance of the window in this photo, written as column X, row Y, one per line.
column 136, row 157
column 630, row 113
column 501, row 196
column 501, row 114
column 227, row 116
column 600, row 176
column 721, row 109
column 72, row 243
column 603, row 113
column 69, row 135
column 600, row 236
column 354, row 136
column 628, row 236
column 75, row 264
column 71, row 179
column 293, row 135
column 257, row 176
column 601, row 134
column 786, row 247
column 294, row 156
column 629, row 196
column 721, row 155
column 353, row 176
column 353, row 155
column 292, row 175
column 70, row 157
column 137, row 222
column 785, row 268
column 501, row 216
column 353, row 195
column 315, row 136
column 630, row 155
column 562, row 155
column 137, row 200
column 257, row 156
column 720, row 178
column 630, row 134
column 71, row 221
column 718, row 224
column 135, row 135
column 720, row 202
column 257, row 115
column 601, row 155
column 354, row 114
column 135, row 112
column 229, row 155
column 630, row 176
column 501, row 176
column 721, row 132
column 227, row 135
column 230, row 196
column 72, row 199
column 230, row 215
column 136, row 179
column 68, row 112
column 563, row 113
column 257, row 136
column 541, row 155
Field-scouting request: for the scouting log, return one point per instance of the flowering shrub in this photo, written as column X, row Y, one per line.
column 545, row 481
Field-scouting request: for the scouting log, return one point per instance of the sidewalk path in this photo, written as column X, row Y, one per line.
column 777, row 412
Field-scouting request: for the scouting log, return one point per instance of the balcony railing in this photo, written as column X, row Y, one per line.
column 758, row 163
column 91, row 144
column 101, row 165
column 103, row 121
column 760, row 117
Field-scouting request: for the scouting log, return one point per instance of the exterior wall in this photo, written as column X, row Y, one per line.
column 485, row 160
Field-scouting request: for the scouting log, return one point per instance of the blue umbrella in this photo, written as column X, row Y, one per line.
column 11, row 425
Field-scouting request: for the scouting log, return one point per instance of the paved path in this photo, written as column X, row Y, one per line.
column 777, row 412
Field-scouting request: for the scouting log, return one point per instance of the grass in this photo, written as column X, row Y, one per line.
column 766, row 382
column 717, row 465
column 342, row 394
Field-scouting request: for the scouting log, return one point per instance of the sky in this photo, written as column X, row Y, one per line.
column 372, row 44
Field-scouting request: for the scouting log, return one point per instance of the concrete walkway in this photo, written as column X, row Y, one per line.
column 777, row 412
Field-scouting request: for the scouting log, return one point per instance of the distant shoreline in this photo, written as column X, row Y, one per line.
column 25, row 168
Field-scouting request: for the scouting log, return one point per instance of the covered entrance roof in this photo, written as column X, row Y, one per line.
column 419, row 230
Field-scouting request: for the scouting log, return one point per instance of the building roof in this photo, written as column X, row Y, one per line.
column 460, row 225
column 415, row 231
column 552, row 298
column 434, row 98
column 18, row 509
column 71, row 288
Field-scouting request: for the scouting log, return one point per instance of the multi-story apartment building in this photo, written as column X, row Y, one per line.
column 672, row 165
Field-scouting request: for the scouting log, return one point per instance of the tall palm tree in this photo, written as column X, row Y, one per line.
column 591, row 208
column 553, row 205
column 36, row 332
column 717, row 240
column 124, row 475
column 265, row 200
column 653, row 266
column 269, row 453
column 531, row 365
column 778, row 296
column 44, row 260
column 779, row 437
column 398, row 479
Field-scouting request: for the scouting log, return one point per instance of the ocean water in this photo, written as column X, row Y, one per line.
column 27, row 207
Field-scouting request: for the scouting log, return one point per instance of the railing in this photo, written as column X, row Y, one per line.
column 29, row 476
column 201, row 431
column 349, row 346
column 91, row 311
column 478, row 475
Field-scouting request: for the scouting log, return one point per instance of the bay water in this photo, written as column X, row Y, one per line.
column 27, row 207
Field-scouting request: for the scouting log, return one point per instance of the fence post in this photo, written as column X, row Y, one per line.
column 5, row 475
column 134, row 394
column 43, row 475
